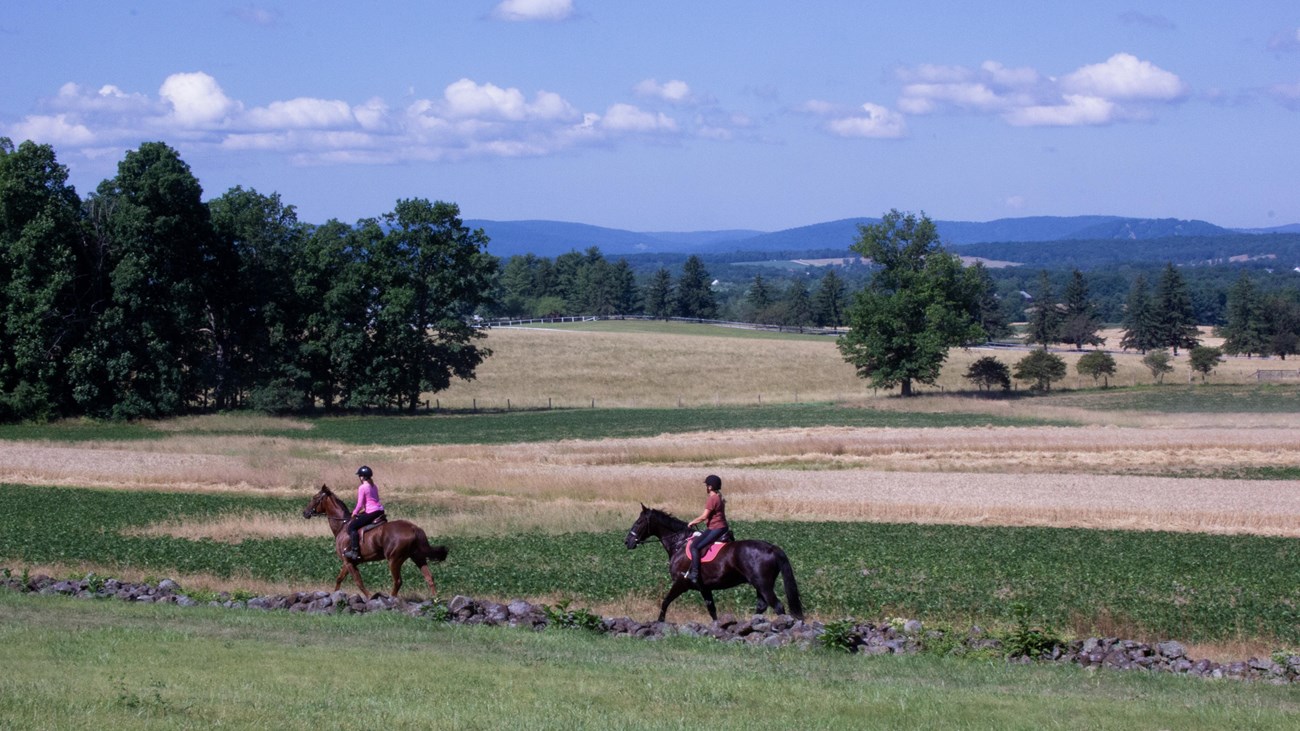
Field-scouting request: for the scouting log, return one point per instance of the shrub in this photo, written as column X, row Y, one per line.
column 841, row 635
column 1027, row 640
column 1098, row 364
column 1158, row 362
column 1203, row 359
column 1040, row 368
column 561, row 616
column 988, row 372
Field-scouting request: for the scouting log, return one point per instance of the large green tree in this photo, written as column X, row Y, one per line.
column 427, row 274
column 146, row 355
column 43, row 258
column 919, row 303
column 258, row 318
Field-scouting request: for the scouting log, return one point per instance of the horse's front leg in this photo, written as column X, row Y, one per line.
column 351, row 568
column 708, row 603
column 679, row 587
column 338, row 580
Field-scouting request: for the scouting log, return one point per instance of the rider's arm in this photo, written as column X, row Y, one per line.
column 703, row 517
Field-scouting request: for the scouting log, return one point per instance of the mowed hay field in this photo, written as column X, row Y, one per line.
column 639, row 364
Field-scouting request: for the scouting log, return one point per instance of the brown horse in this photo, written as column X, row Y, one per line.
column 394, row 541
column 756, row 563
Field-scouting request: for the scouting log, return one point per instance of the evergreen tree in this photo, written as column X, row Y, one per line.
column 659, row 295
column 695, row 291
column 758, row 300
column 1044, row 319
column 1243, row 331
column 1079, row 323
column 830, row 300
column 991, row 317
column 623, row 283
column 798, row 304
column 1281, row 325
column 1139, row 318
column 1175, row 320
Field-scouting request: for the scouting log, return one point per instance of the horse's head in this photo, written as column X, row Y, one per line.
column 318, row 502
column 639, row 532
column 652, row 523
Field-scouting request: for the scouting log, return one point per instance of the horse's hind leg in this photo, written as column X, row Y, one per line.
column 761, row 606
column 767, row 597
column 708, row 603
column 395, row 568
column 428, row 576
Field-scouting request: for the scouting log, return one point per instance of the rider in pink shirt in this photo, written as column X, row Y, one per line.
column 367, row 511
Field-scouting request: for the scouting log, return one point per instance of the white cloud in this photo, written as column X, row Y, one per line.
column 301, row 113
column 877, row 122
column 1121, row 88
column 467, row 99
column 526, row 10
column 674, row 91
column 1124, row 77
column 197, row 99
column 1077, row 110
column 629, row 118
column 52, row 130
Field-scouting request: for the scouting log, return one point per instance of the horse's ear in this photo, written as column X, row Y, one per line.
column 643, row 507
column 325, row 489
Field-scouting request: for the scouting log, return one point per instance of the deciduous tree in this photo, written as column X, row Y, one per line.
column 1041, row 369
column 919, row 304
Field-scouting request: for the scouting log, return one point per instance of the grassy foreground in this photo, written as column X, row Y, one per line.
column 75, row 664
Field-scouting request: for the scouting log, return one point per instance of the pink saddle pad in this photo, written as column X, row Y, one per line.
column 710, row 553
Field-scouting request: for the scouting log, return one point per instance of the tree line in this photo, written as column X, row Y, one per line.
column 144, row 301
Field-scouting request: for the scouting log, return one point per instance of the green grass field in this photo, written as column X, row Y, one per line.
column 72, row 664
column 501, row 427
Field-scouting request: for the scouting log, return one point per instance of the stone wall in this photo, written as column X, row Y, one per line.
column 865, row 638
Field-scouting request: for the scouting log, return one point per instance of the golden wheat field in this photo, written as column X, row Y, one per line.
column 1129, row 470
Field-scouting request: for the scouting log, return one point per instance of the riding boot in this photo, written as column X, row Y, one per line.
column 693, row 575
column 352, row 553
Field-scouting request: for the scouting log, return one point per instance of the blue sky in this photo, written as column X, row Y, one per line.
column 671, row 115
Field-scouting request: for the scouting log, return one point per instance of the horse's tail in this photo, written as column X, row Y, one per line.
column 424, row 550
column 793, row 603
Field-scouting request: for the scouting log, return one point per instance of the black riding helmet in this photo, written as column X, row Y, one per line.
column 714, row 482
column 365, row 472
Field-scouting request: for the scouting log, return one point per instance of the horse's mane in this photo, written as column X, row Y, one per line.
column 672, row 521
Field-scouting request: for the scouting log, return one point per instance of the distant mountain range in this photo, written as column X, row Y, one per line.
column 552, row 238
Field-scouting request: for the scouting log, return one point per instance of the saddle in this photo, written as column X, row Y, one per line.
column 373, row 524
column 714, row 548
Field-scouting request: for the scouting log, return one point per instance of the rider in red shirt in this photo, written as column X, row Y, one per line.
column 715, row 519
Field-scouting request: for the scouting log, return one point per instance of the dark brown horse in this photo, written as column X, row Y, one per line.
column 394, row 541
column 756, row 563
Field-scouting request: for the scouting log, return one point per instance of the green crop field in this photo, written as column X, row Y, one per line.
column 1186, row 586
